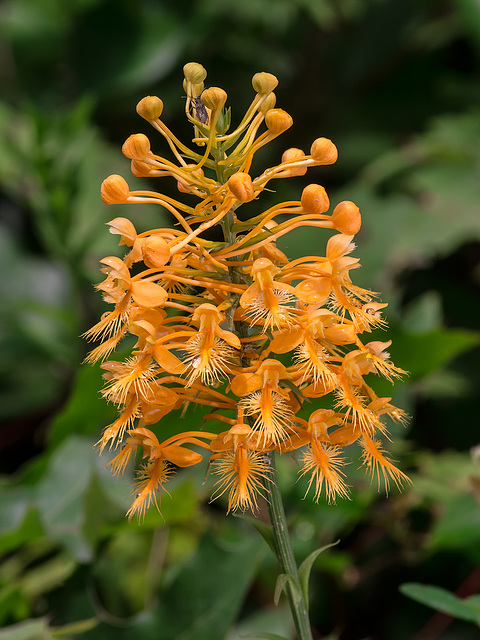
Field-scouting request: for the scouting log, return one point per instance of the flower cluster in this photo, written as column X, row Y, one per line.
column 233, row 325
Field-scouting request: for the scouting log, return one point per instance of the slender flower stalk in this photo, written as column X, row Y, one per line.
column 231, row 324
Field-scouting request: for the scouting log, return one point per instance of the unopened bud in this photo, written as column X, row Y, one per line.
column 264, row 82
column 278, row 121
column 346, row 218
column 293, row 155
column 136, row 147
column 193, row 90
column 268, row 103
column 214, row 98
column 314, row 199
column 240, row 184
column 140, row 169
column 323, row 151
column 150, row 108
column 194, row 72
column 114, row 190
column 155, row 252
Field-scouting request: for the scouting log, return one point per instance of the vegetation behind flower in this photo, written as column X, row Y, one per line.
column 233, row 325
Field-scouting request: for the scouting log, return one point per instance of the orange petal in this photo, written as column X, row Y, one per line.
column 180, row 456
column 287, row 340
column 148, row 294
column 314, row 290
column 229, row 337
column 246, row 383
column 167, row 360
column 252, row 291
column 340, row 334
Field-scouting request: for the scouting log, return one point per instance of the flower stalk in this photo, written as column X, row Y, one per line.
column 286, row 559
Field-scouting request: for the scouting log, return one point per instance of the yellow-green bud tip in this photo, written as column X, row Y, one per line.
column 150, row 108
column 264, row 82
column 214, row 98
column 194, row 72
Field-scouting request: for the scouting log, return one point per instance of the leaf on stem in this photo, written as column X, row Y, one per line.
column 282, row 580
column 306, row 567
column 264, row 529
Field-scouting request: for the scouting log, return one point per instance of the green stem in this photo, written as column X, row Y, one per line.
column 278, row 520
column 285, row 553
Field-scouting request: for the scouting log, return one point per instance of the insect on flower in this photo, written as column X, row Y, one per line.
column 198, row 110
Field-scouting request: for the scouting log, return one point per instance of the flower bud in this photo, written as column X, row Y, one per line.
column 293, row 155
column 346, row 218
column 240, row 184
column 194, row 72
column 136, row 147
column 264, row 82
column 150, row 108
column 155, row 252
column 323, row 151
column 193, row 89
column 268, row 103
column 214, row 98
column 314, row 199
column 140, row 169
column 114, row 190
column 278, row 121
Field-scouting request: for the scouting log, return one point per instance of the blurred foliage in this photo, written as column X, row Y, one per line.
column 396, row 85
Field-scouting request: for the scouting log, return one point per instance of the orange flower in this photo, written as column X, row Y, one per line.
column 232, row 324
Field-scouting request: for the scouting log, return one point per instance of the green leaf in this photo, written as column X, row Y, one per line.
column 306, row 566
column 461, row 521
column 264, row 529
column 64, row 496
column 48, row 575
column 85, row 412
column 282, row 581
column 441, row 600
column 267, row 636
column 420, row 354
column 213, row 584
column 276, row 621
column 23, row 527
